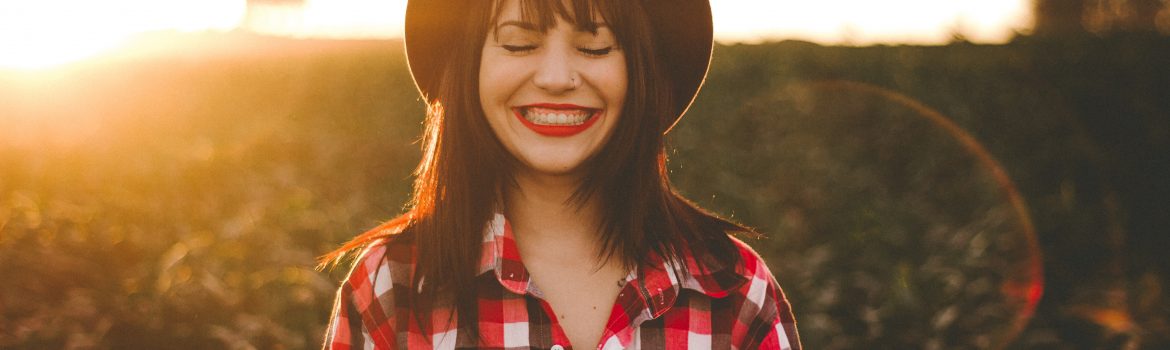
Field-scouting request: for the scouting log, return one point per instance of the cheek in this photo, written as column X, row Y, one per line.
column 616, row 82
column 620, row 88
column 485, row 79
column 498, row 80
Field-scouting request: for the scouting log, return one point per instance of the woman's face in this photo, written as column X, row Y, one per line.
column 552, row 98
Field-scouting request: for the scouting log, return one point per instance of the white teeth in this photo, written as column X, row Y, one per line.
column 545, row 116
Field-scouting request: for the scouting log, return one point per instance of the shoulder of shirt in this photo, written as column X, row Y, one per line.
column 751, row 266
column 719, row 276
column 746, row 252
column 395, row 249
column 764, row 292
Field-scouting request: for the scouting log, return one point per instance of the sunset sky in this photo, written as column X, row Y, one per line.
column 44, row 33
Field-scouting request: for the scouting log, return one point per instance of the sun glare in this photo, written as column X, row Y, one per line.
column 349, row 19
column 853, row 22
column 45, row 33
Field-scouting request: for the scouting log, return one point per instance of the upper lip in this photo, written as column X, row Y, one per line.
column 555, row 106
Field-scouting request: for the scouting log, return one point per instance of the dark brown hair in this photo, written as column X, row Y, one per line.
column 465, row 170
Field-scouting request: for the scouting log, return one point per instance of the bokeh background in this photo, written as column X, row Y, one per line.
column 970, row 189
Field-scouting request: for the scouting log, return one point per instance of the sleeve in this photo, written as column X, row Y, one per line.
column 362, row 312
column 778, row 326
column 767, row 316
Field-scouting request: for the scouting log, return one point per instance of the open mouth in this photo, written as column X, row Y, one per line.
column 557, row 120
column 555, row 116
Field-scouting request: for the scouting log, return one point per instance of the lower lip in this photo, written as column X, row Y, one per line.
column 557, row 130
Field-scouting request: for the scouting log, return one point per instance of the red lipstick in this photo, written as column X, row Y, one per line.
column 557, row 130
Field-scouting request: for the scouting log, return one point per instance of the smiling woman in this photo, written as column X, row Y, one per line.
column 41, row 34
column 542, row 215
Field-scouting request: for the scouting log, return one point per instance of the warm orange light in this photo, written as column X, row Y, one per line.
column 349, row 19
column 46, row 33
column 861, row 22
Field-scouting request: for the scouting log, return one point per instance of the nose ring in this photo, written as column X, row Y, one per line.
column 575, row 81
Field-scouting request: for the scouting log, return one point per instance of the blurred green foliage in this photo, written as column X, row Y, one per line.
column 885, row 225
column 179, row 200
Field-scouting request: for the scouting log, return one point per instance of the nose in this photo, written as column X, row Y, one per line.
column 555, row 72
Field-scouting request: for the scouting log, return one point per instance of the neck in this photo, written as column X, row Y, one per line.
column 547, row 222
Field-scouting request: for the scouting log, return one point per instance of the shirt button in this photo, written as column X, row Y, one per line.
column 557, row 347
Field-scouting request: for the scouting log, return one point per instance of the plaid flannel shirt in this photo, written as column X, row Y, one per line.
column 738, row 307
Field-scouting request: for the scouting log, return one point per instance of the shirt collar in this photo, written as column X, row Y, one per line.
column 657, row 279
column 500, row 255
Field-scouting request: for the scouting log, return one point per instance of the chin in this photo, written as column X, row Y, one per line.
column 554, row 168
column 565, row 170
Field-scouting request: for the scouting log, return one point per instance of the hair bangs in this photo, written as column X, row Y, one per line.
column 584, row 15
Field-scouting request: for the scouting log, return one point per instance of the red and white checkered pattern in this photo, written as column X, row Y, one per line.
column 738, row 307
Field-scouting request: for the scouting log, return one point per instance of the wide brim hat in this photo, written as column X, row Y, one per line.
column 682, row 36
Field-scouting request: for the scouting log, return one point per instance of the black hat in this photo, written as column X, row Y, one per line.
column 682, row 37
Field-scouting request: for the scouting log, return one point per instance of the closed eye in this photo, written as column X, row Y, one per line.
column 519, row 48
column 596, row 52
